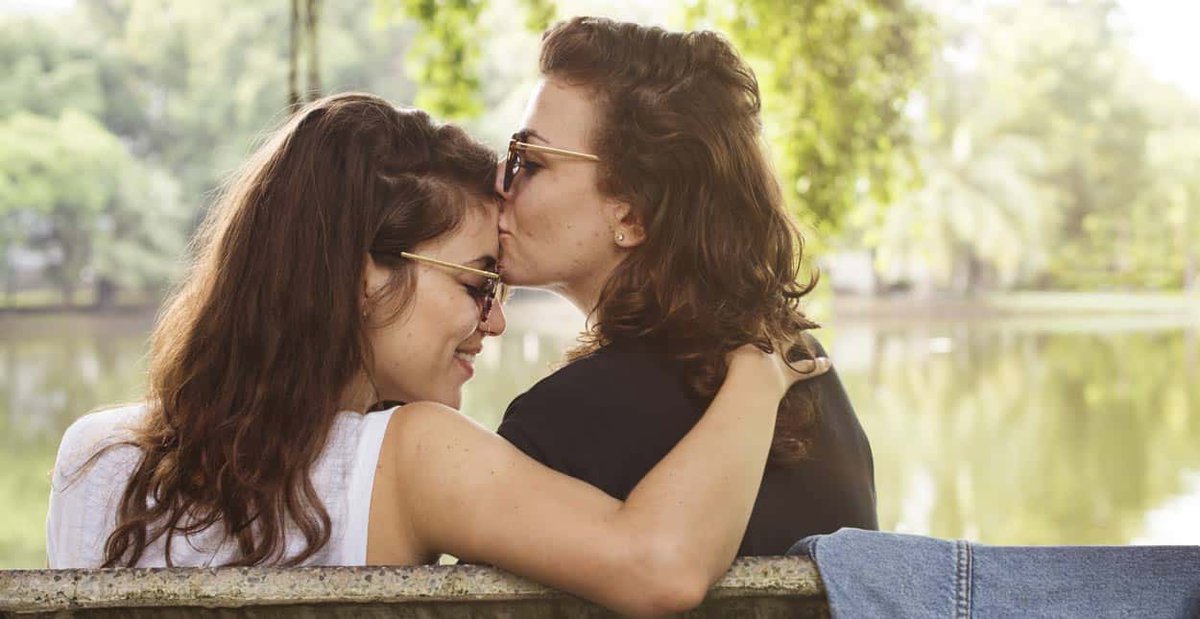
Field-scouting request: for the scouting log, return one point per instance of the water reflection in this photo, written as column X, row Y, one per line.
column 1010, row 432
column 1022, row 436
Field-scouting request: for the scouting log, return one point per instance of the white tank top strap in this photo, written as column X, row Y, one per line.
column 360, row 485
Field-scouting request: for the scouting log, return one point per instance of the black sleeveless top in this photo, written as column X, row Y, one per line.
column 608, row 418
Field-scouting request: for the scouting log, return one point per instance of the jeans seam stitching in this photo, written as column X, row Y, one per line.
column 963, row 579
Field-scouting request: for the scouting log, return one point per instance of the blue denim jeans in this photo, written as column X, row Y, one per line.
column 876, row 574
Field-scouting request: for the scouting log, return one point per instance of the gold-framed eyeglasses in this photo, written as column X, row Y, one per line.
column 517, row 147
column 484, row 294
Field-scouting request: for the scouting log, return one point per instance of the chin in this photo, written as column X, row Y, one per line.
column 517, row 276
column 514, row 273
column 453, row 399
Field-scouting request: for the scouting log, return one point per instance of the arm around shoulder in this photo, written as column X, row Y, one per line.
column 468, row 492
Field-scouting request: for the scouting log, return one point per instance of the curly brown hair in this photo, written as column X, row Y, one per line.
column 680, row 140
column 253, row 354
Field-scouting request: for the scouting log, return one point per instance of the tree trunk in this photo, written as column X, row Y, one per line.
column 294, row 58
column 314, row 67
column 67, row 288
column 1191, row 237
column 10, row 278
column 962, row 271
column 1191, row 270
column 106, row 293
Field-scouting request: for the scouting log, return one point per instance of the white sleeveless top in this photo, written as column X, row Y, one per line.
column 83, row 503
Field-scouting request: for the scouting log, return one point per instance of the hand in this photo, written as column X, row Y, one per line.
column 775, row 366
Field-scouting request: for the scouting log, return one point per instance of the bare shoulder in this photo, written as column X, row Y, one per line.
column 421, row 419
column 428, row 432
column 447, row 470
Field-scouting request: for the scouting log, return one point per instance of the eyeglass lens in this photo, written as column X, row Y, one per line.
column 511, row 165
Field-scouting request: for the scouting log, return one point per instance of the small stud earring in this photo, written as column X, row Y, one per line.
column 620, row 237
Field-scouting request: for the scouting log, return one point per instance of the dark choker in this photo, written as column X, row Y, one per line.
column 383, row 405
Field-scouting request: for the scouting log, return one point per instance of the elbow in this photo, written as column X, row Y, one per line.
column 681, row 595
column 669, row 582
column 665, row 598
column 657, row 571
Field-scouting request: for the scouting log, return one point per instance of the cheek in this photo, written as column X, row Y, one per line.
column 451, row 317
column 534, row 214
column 561, row 218
column 414, row 355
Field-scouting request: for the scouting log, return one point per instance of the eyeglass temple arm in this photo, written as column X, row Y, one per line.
column 556, row 151
column 487, row 274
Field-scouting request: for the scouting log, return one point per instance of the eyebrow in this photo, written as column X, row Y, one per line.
column 524, row 134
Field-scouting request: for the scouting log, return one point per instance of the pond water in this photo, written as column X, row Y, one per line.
column 1005, row 431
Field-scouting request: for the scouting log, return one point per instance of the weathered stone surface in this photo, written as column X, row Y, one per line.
column 754, row 587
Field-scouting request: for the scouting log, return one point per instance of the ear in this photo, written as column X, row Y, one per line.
column 375, row 277
column 627, row 229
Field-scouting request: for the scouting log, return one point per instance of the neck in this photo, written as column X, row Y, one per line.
column 358, row 395
column 584, row 291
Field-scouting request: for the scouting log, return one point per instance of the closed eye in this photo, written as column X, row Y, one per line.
column 479, row 292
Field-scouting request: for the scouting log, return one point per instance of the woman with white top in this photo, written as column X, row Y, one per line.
column 348, row 269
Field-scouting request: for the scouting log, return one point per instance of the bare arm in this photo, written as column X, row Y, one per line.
column 469, row 493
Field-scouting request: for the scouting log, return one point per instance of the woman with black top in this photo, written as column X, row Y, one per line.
column 639, row 189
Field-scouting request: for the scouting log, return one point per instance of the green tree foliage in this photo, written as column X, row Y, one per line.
column 1049, row 158
column 167, row 99
column 1071, row 72
column 977, row 217
column 1037, row 153
column 539, row 14
column 46, row 72
column 445, row 57
column 835, row 77
column 75, row 191
column 206, row 78
column 1167, row 213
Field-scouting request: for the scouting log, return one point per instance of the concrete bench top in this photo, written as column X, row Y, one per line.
column 756, row 587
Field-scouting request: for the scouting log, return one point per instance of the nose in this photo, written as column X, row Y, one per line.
column 496, row 321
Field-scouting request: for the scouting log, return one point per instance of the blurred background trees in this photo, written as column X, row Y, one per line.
column 934, row 149
column 1042, row 145
column 961, row 147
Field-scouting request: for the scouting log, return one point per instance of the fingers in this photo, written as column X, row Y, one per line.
column 806, row 369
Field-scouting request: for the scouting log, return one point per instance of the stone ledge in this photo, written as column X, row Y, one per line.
column 765, row 587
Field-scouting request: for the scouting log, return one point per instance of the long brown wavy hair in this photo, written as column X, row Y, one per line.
column 680, row 140
column 253, row 354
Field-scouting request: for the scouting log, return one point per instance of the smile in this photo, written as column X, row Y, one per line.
column 466, row 360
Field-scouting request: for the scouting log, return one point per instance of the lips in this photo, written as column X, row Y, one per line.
column 465, row 357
